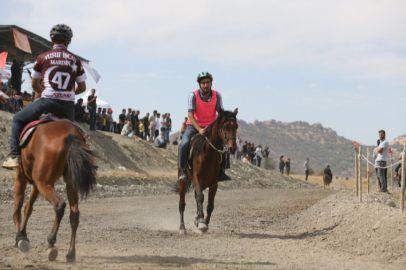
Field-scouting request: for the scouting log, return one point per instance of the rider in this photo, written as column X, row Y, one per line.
column 328, row 171
column 202, row 107
column 53, row 80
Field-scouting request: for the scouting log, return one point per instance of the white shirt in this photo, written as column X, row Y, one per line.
column 384, row 155
column 259, row 152
column 126, row 130
column 238, row 141
column 158, row 123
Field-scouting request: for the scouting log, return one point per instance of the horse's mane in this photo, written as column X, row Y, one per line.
column 199, row 145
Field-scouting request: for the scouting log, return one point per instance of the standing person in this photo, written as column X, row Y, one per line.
column 110, row 121
column 146, row 126
column 381, row 160
column 258, row 153
column 53, row 79
column 169, row 126
column 158, row 125
column 307, row 167
column 245, row 149
column 130, row 115
column 266, row 156
column 121, row 120
column 79, row 111
column 202, row 107
column 400, row 164
column 91, row 106
column 252, row 153
column 287, row 165
column 237, row 154
column 281, row 164
column 99, row 119
column 136, row 125
column 104, row 123
column 183, row 128
column 16, row 76
column 164, row 124
column 152, row 125
column 141, row 129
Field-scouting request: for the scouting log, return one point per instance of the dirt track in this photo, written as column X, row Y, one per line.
column 251, row 229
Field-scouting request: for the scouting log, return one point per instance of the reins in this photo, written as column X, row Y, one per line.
column 226, row 148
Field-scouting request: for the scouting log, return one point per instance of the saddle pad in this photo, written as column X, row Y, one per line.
column 30, row 128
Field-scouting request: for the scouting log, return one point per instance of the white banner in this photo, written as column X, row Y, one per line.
column 4, row 74
column 96, row 76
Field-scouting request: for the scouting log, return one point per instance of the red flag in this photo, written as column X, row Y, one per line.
column 355, row 144
column 390, row 150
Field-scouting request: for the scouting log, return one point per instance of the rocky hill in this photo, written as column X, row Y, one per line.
column 298, row 140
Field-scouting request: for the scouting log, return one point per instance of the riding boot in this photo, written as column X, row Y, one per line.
column 183, row 176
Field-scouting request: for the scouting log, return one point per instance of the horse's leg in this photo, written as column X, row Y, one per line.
column 210, row 205
column 73, row 197
column 28, row 208
column 20, row 184
column 200, row 222
column 182, row 205
column 49, row 193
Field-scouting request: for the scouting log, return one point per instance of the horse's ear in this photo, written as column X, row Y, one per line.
column 235, row 112
column 221, row 112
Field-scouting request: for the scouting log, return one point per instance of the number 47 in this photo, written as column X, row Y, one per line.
column 57, row 79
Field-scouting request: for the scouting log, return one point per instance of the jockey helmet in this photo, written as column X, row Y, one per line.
column 203, row 75
column 61, row 32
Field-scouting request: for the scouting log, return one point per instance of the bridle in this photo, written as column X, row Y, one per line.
column 226, row 147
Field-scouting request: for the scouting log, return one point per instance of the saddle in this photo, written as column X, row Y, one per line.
column 29, row 129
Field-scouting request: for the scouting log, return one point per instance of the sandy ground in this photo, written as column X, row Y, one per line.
column 250, row 229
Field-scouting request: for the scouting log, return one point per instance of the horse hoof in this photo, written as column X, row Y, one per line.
column 24, row 246
column 182, row 231
column 70, row 258
column 52, row 254
column 203, row 227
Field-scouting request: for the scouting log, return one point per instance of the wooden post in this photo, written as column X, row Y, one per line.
column 356, row 171
column 367, row 170
column 360, row 173
column 402, row 192
column 391, row 171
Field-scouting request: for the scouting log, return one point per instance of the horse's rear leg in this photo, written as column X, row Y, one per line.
column 210, row 205
column 27, row 213
column 73, row 197
column 49, row 193
column 182, row 206
column 20, row 184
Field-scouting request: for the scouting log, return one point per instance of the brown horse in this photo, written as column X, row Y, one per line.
column 219, row 138
column 327, row 180
column 55, row 149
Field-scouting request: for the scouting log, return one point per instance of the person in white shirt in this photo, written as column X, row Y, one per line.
column 258, row 153
column 381, row 161
column 127, row 128
column 237, row 154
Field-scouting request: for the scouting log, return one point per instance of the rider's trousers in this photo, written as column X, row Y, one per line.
column 184, row 145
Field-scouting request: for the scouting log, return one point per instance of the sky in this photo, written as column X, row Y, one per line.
column 338, row 63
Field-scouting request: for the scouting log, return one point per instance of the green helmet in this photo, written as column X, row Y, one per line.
column 203, row 75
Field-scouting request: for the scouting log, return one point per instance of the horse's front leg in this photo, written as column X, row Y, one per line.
column 210, row 205
column 182, row 206
column 200, row 222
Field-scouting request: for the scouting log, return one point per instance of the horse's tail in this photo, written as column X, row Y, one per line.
column 80, row 167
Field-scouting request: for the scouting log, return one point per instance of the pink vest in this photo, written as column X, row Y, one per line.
column 205, row 112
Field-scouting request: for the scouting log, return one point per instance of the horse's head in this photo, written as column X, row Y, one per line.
column 228, row 129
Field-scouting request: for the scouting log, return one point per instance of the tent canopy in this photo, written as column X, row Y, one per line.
column 99, row 102
column 38, row 45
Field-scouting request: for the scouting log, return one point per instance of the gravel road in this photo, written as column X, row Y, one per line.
column 250, row 229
